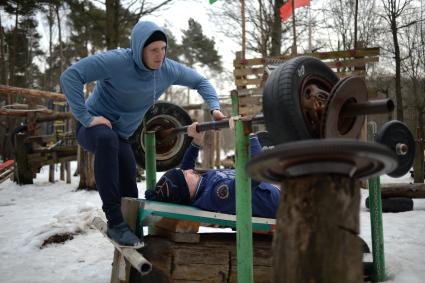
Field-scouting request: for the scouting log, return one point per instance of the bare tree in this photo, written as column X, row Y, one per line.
column 121, row 16
column 264, row 30
column 413, row 67
column 341, row 21
column 393, row 11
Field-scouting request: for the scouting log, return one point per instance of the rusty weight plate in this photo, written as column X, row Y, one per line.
column 334, row 124
column 398, row 138
column 352, row 158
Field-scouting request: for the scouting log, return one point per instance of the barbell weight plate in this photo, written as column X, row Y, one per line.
column 169, row 150
column 398, row 138
column 294, row 97
column 349, row 90
column 348, row 157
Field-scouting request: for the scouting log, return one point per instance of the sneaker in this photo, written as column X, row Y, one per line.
column 122, row 235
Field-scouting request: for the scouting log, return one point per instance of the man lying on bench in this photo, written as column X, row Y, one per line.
column 213, row 190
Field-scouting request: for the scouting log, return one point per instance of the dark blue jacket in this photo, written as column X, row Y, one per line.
column 216, row 189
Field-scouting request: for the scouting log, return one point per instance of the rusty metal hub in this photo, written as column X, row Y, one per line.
column 314, row 96
column 351, row 158
column 165, row 147
column 335, row 124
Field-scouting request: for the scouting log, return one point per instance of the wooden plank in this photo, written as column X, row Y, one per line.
column 250, row 91
column 248, row 71
column 250, row 105
column 6, row 90
column 359, row 62
column 361, row 73
column 245, row 82
column 182, row 231
column 40, row 139
column 250, row 100
column 365, row 52
column 175, row 211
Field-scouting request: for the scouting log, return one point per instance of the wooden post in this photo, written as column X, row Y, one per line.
column 418, row 165
column 52, row 173
column 316, row 231
column 129, row 208
column 68, row 172
column 23, row 174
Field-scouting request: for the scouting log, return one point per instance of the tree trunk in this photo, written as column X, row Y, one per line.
column 276, row 33
column 86, row 170
column 12, row 57
column 3, row 68
column 317, row 226
column 112, row 16
column 294, row 44
column 399, row 98
column 418, row 165
column 61, row 59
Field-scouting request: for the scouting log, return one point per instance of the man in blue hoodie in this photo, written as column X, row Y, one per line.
column 213, row 190
column 128, row 82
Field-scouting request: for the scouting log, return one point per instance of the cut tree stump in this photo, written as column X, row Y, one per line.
column 317, row 226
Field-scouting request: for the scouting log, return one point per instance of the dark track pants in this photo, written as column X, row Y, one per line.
column 114, row 168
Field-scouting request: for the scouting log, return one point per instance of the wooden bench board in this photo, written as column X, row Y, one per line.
column 184, row 212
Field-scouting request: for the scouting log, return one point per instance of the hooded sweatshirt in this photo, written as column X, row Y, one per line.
column 125, row 87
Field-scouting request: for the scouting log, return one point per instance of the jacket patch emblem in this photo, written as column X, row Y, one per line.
column 223, row 192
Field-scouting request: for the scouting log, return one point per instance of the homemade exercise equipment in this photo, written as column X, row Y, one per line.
column 321, row 202
column 33, row 150
column 318, row 177
column 323, row 112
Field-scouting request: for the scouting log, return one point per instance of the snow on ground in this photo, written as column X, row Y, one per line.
column 30, row 214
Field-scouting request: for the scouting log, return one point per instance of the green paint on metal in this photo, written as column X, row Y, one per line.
column 150, row 160
column 243, row 201
column 150, row 163
column 144, row 213
column 377, row 231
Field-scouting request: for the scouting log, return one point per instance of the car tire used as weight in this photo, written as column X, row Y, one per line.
column 283, row 110
column 169, row 151
column 394, row 204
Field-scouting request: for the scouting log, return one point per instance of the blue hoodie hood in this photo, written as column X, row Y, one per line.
column 125, row 87
column 140, row 33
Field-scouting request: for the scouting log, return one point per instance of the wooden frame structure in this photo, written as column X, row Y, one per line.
column 32, row 151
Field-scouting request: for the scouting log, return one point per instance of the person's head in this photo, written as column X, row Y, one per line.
column 148, row 44
column 175, row 186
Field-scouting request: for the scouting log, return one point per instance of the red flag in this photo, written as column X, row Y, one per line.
column 286, row 9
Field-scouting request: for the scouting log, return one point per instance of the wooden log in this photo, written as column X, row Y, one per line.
column 416, row 190
column 316, row 231
column 7, row 90
column 23, row 174
column 213, row 259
